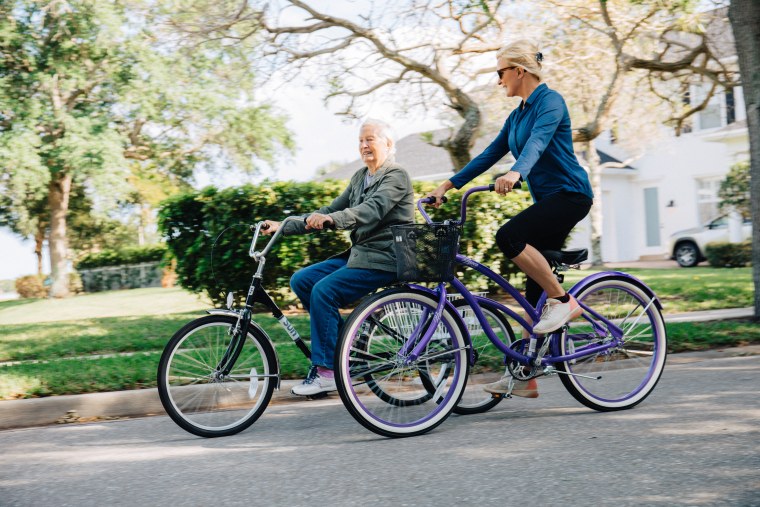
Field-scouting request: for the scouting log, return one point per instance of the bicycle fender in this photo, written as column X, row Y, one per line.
column 230, row 313
column 619, row 275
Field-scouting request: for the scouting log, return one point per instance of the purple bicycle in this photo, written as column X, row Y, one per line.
column 404, row 355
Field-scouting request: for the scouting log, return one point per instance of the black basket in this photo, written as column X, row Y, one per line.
column 426, row 252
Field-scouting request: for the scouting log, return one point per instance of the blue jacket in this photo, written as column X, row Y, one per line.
column 541, row 141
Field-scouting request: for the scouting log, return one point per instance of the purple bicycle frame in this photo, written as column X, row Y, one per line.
column 472, row 300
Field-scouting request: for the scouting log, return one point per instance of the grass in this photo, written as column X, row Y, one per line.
column 693, row 289
column 113, row 340
column 68, row 357
column 121, row 303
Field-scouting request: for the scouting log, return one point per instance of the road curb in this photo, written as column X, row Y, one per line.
column 145, row 402
column 97, row 406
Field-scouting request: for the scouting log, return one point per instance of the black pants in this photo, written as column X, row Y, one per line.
column 544, row 225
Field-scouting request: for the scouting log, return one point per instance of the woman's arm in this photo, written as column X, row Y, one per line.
column 480, row 164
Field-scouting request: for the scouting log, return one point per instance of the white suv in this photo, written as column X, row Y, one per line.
column 688, row 246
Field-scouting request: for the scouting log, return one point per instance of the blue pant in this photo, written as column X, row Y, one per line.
column 325, row 287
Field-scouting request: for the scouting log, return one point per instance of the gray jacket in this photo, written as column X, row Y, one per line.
column 369, row 213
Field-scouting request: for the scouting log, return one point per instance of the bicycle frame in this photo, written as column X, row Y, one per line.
column 610, row 331
column 257, row 294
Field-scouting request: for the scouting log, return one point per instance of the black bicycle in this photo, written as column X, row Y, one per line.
column 217, row 374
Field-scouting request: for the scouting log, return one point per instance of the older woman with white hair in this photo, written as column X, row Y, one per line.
column 539, row 136
column 379, row 195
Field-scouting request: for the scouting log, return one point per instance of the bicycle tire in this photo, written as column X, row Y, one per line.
column 416, row 397
column 192, row 392
column 629, row 372
column 489, row 363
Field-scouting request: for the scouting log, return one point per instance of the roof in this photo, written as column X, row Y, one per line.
column 422, row 160
column 426, row 162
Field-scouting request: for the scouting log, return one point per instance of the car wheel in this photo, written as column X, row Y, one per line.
column 687, row 254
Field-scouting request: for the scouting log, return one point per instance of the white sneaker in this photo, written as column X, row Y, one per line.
column 524, row 389
column 313, row 385
column 556, row 314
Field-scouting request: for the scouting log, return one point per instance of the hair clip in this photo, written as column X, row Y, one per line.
column 539, row 57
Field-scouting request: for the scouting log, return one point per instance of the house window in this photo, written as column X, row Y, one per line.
column 730, row 106
column 709, row 117
column 707, row 198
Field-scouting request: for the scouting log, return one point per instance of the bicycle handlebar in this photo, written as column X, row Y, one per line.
column 463, row 213
column 264, row 226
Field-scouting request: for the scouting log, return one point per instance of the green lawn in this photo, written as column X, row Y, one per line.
column 691, row 289
column 113, row 340
column 121, row 303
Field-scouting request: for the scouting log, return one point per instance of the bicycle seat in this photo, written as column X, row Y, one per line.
column 566, row 256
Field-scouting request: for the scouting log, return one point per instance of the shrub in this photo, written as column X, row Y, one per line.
column 31, row 286
column 195, row 222
column 131, row 255
column 729, row 255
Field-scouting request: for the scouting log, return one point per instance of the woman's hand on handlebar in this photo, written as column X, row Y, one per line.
column 319, row 221
column 439, row 193
column 269, row 227
column 506, row 182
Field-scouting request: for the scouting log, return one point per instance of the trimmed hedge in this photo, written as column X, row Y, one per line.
column 31, row 286
column 125, row 256
column 192, row 223
column 729, row 255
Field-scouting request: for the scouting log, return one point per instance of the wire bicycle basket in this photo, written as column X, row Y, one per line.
column 426, row 252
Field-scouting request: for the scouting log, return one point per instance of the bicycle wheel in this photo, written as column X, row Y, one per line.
column 380, row 387
column 628, row 372
column 193, row 391
column 489, row 363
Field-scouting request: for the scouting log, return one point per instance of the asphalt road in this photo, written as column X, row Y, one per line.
column 694, row 441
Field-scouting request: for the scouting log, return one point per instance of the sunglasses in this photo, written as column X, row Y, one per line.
column 500, row 72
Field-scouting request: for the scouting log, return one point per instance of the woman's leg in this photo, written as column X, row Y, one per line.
column 338, row 289
column 302, row 282
column 333, row 292
column 545, row 224
column 520, row 239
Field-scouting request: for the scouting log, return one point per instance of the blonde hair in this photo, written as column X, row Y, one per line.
column 523, row 54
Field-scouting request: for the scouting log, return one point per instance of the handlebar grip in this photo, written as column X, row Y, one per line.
column 330, row 225
column 492, row 186
column 429, row 200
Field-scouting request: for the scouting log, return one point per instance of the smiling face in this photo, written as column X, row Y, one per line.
column 373, row 148
column 509, row 77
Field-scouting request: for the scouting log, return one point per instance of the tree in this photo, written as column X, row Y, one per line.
column 86, row 87
column 745, row 18
column 423, row 55
column 734, row 190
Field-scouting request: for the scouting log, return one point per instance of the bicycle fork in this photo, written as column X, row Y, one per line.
column 423, row 333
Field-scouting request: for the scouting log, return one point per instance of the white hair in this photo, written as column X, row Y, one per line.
column 383, row 130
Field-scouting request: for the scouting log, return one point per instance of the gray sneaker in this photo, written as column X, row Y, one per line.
column 524, row 389
column 314, row 384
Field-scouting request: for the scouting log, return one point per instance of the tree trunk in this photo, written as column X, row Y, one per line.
column 595, row 175
column 58, row 202
column 39, row 239
column 461, row 143
column 745, row 20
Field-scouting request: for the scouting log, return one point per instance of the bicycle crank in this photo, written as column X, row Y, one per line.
column 551, row 370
